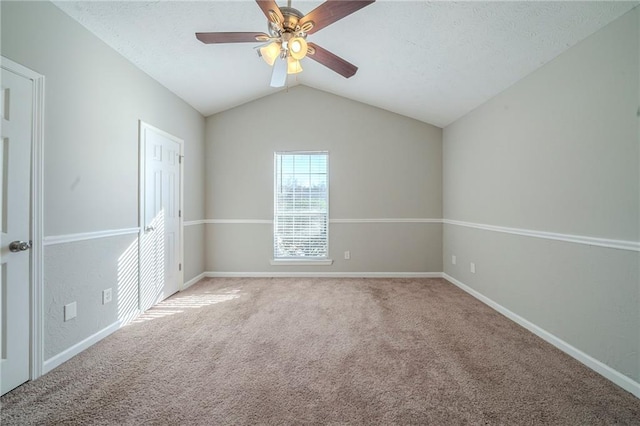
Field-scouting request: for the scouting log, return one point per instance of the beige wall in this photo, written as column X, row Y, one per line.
column 557, row 152
column 94, row 99
column 382, row 165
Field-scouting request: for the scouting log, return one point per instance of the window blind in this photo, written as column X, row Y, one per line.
column 301, row 205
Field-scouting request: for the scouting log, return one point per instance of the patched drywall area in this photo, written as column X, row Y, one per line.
column 556, row 155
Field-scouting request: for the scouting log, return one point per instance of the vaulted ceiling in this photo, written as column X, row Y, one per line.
column 432, row 61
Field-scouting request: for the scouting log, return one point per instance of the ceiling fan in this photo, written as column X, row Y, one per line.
column 285, row 44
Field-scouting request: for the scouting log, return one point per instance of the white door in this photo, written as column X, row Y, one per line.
column 160, row 259
column 15, row 154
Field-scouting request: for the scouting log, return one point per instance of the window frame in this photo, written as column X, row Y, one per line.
column 299, row 260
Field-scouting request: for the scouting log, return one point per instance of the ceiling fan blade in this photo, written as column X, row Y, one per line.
column 331, row 11
column 270, row 5
column 231, row 37
column 279, row 74
column 331, row 61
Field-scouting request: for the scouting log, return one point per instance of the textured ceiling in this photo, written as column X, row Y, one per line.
column 432, row 61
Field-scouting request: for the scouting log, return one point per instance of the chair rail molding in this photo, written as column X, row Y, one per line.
column 72, row 238
column 569, row 238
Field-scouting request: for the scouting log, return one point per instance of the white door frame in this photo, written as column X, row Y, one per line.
column 36, row 362
column 141, row 199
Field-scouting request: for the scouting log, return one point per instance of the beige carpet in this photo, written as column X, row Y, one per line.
column 324, row 351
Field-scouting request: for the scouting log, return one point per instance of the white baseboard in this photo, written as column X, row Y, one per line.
column 217, row 274
column 74, row 350
column 193, row 280
column 599, row 367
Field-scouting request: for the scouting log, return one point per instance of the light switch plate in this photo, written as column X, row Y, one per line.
column 70, row 311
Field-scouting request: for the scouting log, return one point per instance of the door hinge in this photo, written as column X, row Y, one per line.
column 179, row 213
column 179, row 266
column 180, row 157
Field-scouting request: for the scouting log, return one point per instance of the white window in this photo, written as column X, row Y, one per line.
column 301, row 205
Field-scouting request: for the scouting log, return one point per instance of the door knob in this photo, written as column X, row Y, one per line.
column 17, row 246
column 149, row 228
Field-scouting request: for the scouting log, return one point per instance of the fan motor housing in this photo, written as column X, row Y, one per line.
column 291, row 18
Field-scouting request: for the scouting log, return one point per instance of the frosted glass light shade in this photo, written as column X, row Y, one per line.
column 297, row 48
column 293, row 66
column 270, row 52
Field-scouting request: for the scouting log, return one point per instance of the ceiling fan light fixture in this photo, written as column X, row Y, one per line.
column 270, row 52
column 297, row 48
column 293, row 65
column 284, row 45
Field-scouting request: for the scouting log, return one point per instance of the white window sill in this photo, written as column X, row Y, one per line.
column 301, row 262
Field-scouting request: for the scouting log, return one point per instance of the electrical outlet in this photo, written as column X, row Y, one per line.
column 453, row 260
column 70, row 311
column 347, row 255
column 472, row 267
column 106, row 296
